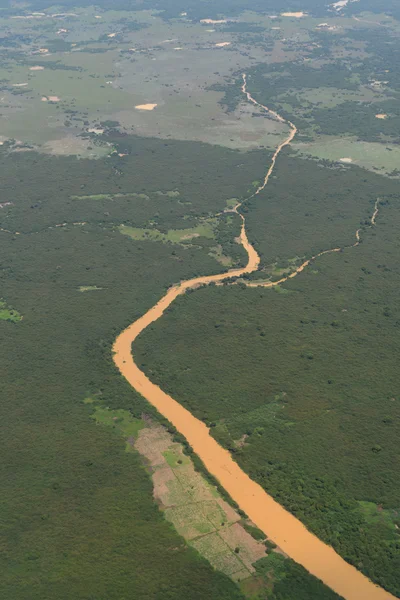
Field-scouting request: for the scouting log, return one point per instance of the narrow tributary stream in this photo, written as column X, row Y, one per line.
column 276, row 522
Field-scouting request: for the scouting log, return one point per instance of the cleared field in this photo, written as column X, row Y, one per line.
column 175, row 236
column 383, row 158
column 196, row 509
column 9, row 314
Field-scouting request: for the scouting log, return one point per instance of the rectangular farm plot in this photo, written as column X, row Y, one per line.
column 190, row 520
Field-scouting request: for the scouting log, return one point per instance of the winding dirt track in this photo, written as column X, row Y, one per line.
column 277, row 523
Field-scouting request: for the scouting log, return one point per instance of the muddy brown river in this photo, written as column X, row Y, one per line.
column 276, row 522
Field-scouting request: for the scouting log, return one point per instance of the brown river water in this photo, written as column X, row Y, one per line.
column 276, row 522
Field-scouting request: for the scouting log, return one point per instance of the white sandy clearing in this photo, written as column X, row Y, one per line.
column 36, row 68
column 222, row 44
column 212, row 21
column 146, row 106
column 346, row 160
column 275, row 28
column 111, row 35
column 98, row 17
column 19, row 84
column 95, row 130
column 381, row 116
column 341, row 4
column 298, row 15
column 184, row 14
column 43, row 50
column 210, row 30
column 50, row 99
column 62, row 31
column 178, row 48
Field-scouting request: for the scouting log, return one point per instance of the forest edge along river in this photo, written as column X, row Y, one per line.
column 267, row 514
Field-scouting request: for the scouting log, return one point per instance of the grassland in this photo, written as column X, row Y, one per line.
column 176, row 236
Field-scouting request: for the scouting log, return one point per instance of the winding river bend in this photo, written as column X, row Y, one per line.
column 276, row 522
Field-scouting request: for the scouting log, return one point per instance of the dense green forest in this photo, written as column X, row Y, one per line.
column 317, row 206
column 77, row 512
column 305, row 374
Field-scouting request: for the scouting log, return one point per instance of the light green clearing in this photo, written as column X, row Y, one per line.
column 231, row 202
column 376, row 515
column 176, row 236
column 9, row 314
column 110, row 196
column 330, row 97
column 121, row 420
column 371, row 155
column 175, row 458
column 216, row 252
column 89, row 288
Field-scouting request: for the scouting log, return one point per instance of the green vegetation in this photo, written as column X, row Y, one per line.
column 317, row 206
column 282, row 579
column 200, row 514
column 9, row 314
column 77, row 510
column 176, row 236
column 317, row 363
column 290, row 380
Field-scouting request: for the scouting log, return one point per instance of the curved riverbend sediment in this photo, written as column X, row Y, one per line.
column 276, row 522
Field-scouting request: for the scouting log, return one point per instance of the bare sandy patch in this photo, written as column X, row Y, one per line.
column 381, row 116
column 111, row 35
column 190, row 236
column 95, row 130
column 297, row 15
column 36, row 68
column 19, row 85
column 212, row 21
column 146, row 106
column 222, row 44
column 43, row 50
column 346, row 160
column 54, row 99
column 178, row 48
